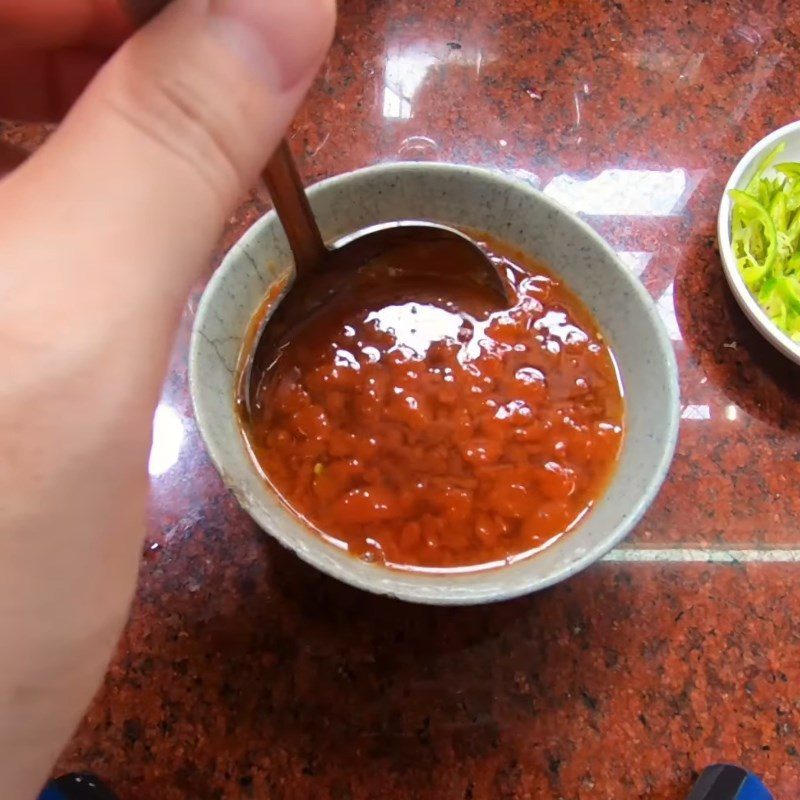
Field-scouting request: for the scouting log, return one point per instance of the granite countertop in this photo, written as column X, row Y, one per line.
column 244, row 673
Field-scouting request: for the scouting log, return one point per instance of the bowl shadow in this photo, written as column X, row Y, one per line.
column 731, row 352
column 359, row 690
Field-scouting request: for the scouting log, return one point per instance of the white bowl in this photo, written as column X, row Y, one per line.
column 790, row 134
column 513, row 212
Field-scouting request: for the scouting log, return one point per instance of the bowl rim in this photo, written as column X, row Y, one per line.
column 743, row 296
column 389, row 582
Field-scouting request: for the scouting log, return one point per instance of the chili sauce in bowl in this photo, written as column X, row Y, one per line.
column 414, row 425
column 489, row 484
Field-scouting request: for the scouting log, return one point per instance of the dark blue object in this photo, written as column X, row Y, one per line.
column 728, row 782
column 77, row 787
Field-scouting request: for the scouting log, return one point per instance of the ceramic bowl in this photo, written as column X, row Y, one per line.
column 790, row 136
column 513, row 212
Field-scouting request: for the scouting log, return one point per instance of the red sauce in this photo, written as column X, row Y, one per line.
column 413, row 425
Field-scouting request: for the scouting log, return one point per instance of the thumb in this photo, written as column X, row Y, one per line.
column 174, row 129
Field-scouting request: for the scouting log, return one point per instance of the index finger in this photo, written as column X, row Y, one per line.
column 53, row 24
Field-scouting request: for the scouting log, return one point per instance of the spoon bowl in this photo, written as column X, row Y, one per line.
column 391, row 251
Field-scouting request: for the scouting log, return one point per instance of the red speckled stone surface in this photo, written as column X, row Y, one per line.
column 244, row 674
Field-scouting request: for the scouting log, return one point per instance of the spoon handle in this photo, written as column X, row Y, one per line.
column 294, row 211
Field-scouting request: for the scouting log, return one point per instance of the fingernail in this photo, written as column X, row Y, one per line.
column 282, row 40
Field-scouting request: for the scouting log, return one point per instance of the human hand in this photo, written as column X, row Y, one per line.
column 103, row 231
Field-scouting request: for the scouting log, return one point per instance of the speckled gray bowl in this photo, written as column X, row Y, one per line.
column 513, row 212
